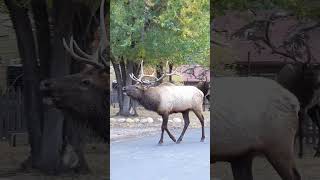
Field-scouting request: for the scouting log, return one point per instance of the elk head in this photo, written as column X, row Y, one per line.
column 78, row 92
column 144, row 81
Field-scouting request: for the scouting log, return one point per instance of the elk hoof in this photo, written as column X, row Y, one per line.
column 160, row 142
column 300, row 155
column 83, row 170
column 202, row 139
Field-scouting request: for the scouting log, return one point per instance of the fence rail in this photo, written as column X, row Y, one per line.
column 12, row 120
column 310, row 132
column 11, row 113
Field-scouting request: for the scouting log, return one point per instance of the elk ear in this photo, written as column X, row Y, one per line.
column 104, row 75
column 141, row 87
column 86, row 68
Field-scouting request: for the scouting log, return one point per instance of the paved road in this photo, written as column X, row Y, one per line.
column 143, row 159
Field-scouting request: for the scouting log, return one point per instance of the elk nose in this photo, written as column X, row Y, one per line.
column 45, row 84
column 124, row 88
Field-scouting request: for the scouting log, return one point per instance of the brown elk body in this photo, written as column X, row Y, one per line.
column 254, row 116
column 166, row 99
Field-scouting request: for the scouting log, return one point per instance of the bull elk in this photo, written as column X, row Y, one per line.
column 303, row 81
column 204, row 86
column 254, row 116
column 82, row 97
column 166, row 99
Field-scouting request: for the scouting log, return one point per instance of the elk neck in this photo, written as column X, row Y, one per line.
column 150, row 99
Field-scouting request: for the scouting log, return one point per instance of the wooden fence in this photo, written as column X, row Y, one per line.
column 11, row 113
column 310, row 132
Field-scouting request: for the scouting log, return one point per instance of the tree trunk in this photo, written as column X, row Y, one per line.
column 123, row 71
column 74, row 136
column 40, row 16
column 59, row 67
column 159, row 71
column 31, row 92
column 128, row 81
column 117, row 72
column 170, row 71
column 133, row 103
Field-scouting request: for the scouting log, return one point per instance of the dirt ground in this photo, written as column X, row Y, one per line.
column 142, row 113
column 96, row 154
column 11, row 157
column 128, row 130
column 308, row 167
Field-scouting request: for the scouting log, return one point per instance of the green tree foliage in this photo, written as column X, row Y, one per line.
column 160, row 30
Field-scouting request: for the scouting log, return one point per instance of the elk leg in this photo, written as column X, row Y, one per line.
column 301, row 118
column 314, row 116
column 74, row 138
column 203, row 104
column 83, row 165
column 281, row 157
column 165, row 128
column 170, row 135
column 242, row 169
column 162, row 131
column 185, row 115
column 201, row 118
column 317, row 119
column 284, row 164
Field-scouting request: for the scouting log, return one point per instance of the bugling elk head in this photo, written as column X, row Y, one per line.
column 203, row 84
column 83, row 94
column 145, row 81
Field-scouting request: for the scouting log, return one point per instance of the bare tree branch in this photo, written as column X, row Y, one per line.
column 218, row 43
column 296, row 45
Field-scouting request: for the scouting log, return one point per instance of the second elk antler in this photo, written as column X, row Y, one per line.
column 99, row 54
column 141, row 77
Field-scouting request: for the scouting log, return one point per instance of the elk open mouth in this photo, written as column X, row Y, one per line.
column 124, row 91
column 49, row 98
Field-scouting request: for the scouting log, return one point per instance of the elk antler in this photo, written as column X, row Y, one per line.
column 165, row 74
column 142, row 75
column 86, row 58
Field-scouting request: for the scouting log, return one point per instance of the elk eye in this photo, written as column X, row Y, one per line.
column 86, row 82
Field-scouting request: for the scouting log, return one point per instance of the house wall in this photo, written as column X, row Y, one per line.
column 3, row 79
column 8, row 44
column 9, row 53
column 233, row 21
